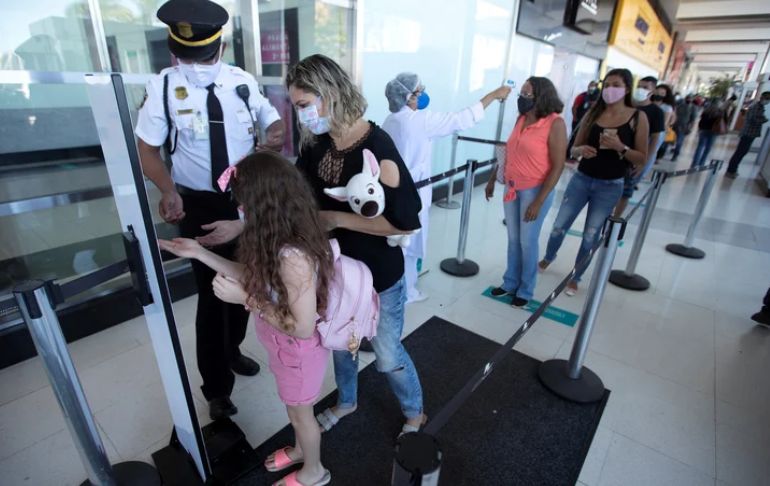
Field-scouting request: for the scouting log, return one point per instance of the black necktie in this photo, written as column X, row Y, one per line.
column 217, row 141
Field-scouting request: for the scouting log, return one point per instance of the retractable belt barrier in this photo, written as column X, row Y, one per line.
column 418, row 454
column 448, row 203
column 37, row 300
column 687, row 250
column 628, row 278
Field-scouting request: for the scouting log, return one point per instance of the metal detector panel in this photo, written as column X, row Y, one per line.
column 113, row 122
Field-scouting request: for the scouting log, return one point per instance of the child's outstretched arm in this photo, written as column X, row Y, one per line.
column 189, row 248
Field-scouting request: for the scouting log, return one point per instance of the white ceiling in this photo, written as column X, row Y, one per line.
column 724, row 36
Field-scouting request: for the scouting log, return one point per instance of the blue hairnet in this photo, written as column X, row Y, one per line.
column 398, row 90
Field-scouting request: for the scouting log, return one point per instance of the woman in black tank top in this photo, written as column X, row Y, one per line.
column 612, row 137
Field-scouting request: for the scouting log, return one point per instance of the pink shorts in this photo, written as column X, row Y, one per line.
column 299, row 365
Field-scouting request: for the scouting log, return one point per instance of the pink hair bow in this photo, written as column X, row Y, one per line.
column 227, row 175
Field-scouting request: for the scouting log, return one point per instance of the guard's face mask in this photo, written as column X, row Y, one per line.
column 202, row 75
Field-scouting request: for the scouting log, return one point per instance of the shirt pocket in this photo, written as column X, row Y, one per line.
column 183, row 123
column 244, row 126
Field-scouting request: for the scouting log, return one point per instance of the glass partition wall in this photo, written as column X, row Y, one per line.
column 57, row 215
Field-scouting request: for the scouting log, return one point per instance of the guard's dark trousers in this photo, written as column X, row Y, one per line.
column 219, row 327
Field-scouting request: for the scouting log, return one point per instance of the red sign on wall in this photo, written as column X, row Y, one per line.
column 274, row 47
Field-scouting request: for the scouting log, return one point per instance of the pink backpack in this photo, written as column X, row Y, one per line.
column 353, row 306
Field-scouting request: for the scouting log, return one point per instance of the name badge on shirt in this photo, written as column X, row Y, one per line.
column 200, row 126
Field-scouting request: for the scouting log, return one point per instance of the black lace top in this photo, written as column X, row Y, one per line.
column 326, row 167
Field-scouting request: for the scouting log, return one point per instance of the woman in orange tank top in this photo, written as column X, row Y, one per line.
column 534, row 160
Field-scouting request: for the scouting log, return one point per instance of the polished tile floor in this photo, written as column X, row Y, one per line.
column 687, row 368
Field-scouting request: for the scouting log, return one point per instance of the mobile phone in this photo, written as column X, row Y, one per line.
column 608, row 131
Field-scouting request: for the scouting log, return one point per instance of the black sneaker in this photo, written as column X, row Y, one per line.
column 244, row 366
column 222, row 407
column 499, row 292
column 519, row 302
column 762, row 319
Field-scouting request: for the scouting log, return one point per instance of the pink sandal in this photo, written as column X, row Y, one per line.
column 291, row 480
column 281, row 460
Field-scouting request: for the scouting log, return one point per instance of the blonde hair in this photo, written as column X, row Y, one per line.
column 325, row 78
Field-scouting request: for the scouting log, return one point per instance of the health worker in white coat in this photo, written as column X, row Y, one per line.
column 413, row 129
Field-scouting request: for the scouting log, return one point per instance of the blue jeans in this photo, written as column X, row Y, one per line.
column 705, row 141
column 681, row 134
column 392, row 358
column 523, row 247
column 601, row 196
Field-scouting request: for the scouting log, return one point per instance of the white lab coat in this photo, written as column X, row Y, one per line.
column 413, row 132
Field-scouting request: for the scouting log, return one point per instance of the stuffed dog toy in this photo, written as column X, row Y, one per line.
column 365, row 195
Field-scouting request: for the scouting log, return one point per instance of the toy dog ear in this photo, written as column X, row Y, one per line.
column 338, row 193
column 370, row 161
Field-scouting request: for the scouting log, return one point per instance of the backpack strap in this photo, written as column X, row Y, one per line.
column 335, row 249
column 167, row 144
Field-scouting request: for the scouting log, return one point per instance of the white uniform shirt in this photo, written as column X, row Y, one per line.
column 413, row 132
column 192, row 159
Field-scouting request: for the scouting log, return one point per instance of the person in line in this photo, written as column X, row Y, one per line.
column 664, row 99
column 583, row 102
column 413, row 128
column 535, row 154
column 206, row 126
column 763, row 316
column 685, row 119
column 752, row 128
column 656, row 120
column 333, row 135
column 613, row 137
column 712, row 123
column 283, row 270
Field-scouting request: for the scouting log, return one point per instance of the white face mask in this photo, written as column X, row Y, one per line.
column 641, row 94
column 201, row 75
column 309, row 117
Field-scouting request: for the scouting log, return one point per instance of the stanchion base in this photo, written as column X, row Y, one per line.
column 629, row 282
column 685, row 251
column 467, row 268
column 133, row 473
column 586, row 389
column 448, row 204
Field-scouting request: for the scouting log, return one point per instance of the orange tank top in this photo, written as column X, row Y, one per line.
column 526, row 155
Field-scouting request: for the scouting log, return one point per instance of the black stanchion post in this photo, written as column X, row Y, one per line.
column 628, row 278
column 570, row 379
column 35, row 305
column 687, row 250
column 417, row 461
column 460, row 267
column 448, row 203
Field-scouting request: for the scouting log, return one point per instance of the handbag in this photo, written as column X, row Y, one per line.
column 670, row 135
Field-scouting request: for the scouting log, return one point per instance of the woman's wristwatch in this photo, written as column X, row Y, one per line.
column 623, row 152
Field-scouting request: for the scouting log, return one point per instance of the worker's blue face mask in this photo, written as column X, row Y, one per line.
column 423, row 100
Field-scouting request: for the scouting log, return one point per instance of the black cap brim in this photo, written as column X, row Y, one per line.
column 188, row 53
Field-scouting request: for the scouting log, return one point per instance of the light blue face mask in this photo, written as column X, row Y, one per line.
column 308, row 116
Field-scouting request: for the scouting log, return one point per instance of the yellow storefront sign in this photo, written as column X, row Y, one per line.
column 638, row 32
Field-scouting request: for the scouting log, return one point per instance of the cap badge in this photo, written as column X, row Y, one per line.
column 185, row 29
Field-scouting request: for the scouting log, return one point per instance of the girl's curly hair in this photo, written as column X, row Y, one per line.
column 280, row 212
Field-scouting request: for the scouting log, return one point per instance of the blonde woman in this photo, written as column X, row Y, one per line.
column 333, row 135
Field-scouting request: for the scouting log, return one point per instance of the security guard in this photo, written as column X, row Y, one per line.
column 207, row 114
